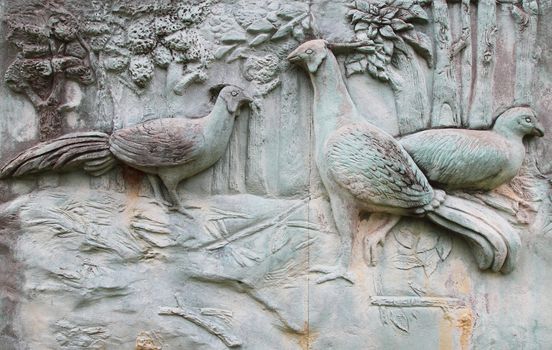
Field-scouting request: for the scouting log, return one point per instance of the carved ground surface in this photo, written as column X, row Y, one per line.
column 105, row 270
column 101, row 263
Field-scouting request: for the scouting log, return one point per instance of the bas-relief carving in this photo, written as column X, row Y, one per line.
column 166, row 149
column 364, row 169
column 272, row 208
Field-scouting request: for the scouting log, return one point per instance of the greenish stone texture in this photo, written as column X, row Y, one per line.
column 350, row 174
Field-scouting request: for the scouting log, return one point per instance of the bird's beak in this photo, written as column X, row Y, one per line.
column 538, row 130
column 293, row 57
column 248, row 99
column 234, row 105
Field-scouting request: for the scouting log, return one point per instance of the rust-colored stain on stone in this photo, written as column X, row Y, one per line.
column 465, row 324
column 306, row 337
column 133, row 179
column 460, row 279
column 145, row 341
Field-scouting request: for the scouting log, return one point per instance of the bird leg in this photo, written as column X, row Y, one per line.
column 174, row 203
column 155, row 183
column 346, row 222
column 379, row 225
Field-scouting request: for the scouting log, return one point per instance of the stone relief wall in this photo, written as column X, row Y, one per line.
column 275, row 175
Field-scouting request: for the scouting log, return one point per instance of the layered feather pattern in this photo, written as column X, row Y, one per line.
column 375, row 169
column 465, row 159
column 89, row 150
column 158, row 143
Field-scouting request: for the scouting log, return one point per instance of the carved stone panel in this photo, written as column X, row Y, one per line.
column 353, row 174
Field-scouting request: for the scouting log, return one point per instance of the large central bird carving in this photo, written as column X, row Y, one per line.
column 166, row 149
column 364, row 169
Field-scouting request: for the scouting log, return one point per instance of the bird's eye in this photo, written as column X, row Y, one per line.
column 308, row 51
column 528, row 119
column 234, row 93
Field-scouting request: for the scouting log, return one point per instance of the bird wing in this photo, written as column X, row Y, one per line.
column 373, row 167
column 160, row 142
column 457, row 157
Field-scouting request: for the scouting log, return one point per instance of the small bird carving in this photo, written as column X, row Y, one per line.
column 462, row 159
column 364, row 169
column 167, row 149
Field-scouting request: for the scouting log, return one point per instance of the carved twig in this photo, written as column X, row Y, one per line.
column 347, row 48
column 248, row 231
column 408, row 301
column 35, row 99
column 243, row 286
column 228, row 339
column 458, row 46
column 188, row 79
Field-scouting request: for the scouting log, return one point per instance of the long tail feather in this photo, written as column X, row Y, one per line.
column 496, row 242
column 489, row 218
column 97, row 171
column 53, row 145
column 67, row 151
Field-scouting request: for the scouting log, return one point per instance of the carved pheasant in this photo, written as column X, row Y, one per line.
column 171, row 148
column 364, row 169
column 474, row 159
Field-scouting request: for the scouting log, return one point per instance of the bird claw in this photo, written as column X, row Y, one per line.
column 164, row 203
column 180, row 209
column 332, row 273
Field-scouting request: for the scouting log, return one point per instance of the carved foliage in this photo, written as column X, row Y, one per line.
column 135, row 39
column 50, row 52
column 260, row 38
column 384, row 27
column 423, row 251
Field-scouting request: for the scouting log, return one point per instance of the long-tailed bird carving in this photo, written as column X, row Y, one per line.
column 474, row 159
column 364, row 169
column 173, row 149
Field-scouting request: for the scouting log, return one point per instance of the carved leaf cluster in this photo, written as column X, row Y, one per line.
column 423, row 251
column 383, row 27
column 261, row 39
column 44, row 51
column 51, row 51
column 236, row 244
column 135, row 39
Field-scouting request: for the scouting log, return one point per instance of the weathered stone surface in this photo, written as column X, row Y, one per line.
column 275, row 175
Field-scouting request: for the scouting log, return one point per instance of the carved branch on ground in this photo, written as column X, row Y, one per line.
column 248, row 231
column 227, row 338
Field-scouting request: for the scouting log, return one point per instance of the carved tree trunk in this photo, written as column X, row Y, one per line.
column 255, row 170
column 465, row 45
column 293, row 148
column 104, row 98
column 409, row 86
column 482, row 94
column 49, row 122
column 444, row 111
column 526, row 37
